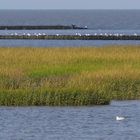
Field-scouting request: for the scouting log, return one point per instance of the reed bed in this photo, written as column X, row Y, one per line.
column 69, row 76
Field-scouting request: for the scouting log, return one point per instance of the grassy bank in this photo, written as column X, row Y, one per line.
column 69, row 76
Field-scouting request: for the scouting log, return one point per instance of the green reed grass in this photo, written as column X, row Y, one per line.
column 69, row 76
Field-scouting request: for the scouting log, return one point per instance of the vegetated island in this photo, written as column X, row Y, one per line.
column 69, row 76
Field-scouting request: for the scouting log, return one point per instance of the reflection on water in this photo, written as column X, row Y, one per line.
column 66, row 123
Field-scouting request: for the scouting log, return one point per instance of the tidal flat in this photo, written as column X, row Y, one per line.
column 68, row 76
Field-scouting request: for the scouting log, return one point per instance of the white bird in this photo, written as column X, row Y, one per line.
column 86, row 27
column 79, row 34
column 16, row 34
column 87, row 34
column 117, row 34
column 119, row 118
column 28, row 34
column 35, row 34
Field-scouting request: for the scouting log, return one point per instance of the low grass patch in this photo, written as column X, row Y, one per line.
column 69, row 76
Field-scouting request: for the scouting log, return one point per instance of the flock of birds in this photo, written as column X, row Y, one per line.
column 77, row 34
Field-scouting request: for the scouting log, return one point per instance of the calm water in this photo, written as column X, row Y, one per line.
column 94, row 19
column 64, row 43
column 98, row 21
column 71, row 123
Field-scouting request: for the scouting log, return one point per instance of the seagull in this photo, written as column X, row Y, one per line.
column 28, row 34
column 87, row 34
column 119, row 118
column 16, row 34
column 117, row 34
column 86, row 27
column 79, row 34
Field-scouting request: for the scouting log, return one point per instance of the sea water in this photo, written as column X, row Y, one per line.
column 71, row 123
column 98, row 22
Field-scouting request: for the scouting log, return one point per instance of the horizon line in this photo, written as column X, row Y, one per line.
column 68, row 9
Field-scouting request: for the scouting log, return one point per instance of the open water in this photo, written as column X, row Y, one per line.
column 71, row 123
column 97, row 21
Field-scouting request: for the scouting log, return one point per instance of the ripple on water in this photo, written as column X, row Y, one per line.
column 87, row 123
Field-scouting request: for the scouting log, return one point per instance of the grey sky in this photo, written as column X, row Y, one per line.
column 69, row 4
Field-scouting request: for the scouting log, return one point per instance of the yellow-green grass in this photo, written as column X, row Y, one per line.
column 69, row 76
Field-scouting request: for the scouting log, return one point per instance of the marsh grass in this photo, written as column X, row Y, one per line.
column 69, row 76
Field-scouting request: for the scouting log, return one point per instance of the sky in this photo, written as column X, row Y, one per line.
column 69, row 4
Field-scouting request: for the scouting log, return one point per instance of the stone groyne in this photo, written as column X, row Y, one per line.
column 41, row 27
column 71, row 37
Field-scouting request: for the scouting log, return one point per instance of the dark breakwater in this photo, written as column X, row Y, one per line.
column 72, row 37
column 40, row 27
